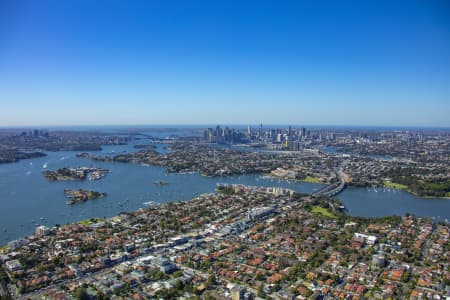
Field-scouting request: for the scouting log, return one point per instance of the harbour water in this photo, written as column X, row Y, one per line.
column 27, row 199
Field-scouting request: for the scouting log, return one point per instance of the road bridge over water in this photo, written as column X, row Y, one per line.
column 332, row 189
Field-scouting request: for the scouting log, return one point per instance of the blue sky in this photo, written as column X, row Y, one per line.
column 229, row 62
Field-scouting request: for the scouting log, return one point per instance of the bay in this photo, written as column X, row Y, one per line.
column 27, row 199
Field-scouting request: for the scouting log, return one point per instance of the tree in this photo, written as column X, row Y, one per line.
column 177, row 274
column 101, row 296
column 406, row 275
column 3, row 277
column 81, row 294
column 260, row 292
column 210, row 281
column 259, row 276
column 208, row 296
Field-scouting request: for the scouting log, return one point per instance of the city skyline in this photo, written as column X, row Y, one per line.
column 79, row 63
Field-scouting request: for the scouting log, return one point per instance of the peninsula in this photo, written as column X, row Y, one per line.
column 17, row 144
column 422, row 178
column 264, row 242
column 80, row 173
column 8, row 156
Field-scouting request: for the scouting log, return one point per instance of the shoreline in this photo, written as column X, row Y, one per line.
column 349, row 184
column 13, row 229
column 402, row 190
column 293, row 179
column 163, row 205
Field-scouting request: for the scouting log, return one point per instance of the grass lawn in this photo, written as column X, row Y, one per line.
column 323, row 211
column 311, row 179
column 85, row 222
column 90, row 221
column 3, row 248
column 394, row 185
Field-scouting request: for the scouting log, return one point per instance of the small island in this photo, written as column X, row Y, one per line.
column 76, row 196
column 80, row 173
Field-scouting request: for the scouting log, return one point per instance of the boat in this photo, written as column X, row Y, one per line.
column 45, row 165
column 160, row 182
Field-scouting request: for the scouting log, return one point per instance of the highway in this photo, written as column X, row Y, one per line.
column 332, row 189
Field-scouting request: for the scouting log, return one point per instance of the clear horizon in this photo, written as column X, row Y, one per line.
column 236, row 126
column 379, row 63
